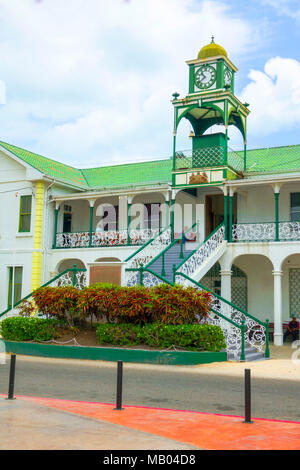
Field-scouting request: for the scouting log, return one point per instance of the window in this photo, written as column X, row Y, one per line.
column 15, row 274
column 25, row 213
column 295, row 207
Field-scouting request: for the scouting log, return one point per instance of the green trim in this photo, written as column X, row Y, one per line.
column 115, row 354
column 230, row 218
column 276, row 195
column 226, row 216
column 91, row 225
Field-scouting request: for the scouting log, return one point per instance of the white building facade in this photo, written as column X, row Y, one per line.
column 240, row 212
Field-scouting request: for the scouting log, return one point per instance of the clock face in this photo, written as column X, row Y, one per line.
column 205, row 76
column 227, row 77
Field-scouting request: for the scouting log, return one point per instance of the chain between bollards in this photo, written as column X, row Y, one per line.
column 248, row 397
column 119, row 386
column 12, row 377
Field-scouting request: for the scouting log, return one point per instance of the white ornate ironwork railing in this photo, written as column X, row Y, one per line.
column 265, row 231
column 105, row 238
column 289, row 230
column 145, row 254
column 254, row 232
column 255, row 331
column 190, row 265
column 70, row 277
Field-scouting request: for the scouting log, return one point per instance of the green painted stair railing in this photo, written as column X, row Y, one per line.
column 256, row 332
column 70, row 277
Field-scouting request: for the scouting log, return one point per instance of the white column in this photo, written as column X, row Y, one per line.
column 226, row 284
column 278, row 336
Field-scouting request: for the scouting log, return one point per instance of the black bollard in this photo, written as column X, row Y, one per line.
column 119, row 386
column 248, row 396
column 12, row 377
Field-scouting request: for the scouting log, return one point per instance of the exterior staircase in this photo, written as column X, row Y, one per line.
column 246, row 336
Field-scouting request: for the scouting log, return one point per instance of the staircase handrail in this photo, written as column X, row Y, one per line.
column 172, row 244
column 265, row 324
column 146, row 244
column 72, row 270
column 222, row 225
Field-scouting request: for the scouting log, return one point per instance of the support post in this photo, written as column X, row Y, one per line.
column 12, row 377
column 267, row 350
column 278, row 336
column 119, row 386
column 230, row 218
column 276, row 194
column 129, row 204
column 91, row 224
column 74, row 275
column 248, row 397
column 225, row 215
column 55, row 225
column 172, row 216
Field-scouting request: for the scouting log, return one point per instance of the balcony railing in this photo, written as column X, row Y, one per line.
column 213, row 156
column 100, row 239
column 265, row 231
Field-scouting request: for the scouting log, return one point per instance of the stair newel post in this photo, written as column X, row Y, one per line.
column 267, row 351
column 141, row 274
column 163, row 271
column 243, row 357
column 181, row 246
column 174, row 273
column 74, row 275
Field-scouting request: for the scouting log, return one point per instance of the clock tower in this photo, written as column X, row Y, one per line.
column 210, row 101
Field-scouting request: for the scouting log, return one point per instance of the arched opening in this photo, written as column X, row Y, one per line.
column 69, row 264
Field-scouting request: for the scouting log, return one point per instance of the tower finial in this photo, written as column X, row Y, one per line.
column 212, row 39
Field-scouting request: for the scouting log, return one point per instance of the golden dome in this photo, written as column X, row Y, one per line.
column 211, row 50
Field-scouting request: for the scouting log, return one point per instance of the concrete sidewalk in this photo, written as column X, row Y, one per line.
column 48, row 424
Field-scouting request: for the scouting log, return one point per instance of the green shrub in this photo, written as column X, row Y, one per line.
column 115, row 304
column 191, row 337
column 28, row 329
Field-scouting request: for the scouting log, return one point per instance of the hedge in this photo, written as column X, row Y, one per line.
column 115, row 304
column 190, row 337
column 28, row 329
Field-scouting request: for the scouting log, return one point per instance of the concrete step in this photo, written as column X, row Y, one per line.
column 251, row 354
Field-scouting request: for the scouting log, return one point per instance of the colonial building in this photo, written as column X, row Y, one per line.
column 239, row 212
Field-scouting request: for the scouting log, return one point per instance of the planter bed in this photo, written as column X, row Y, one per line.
column 111, row 353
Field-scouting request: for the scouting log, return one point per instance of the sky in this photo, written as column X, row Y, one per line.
column 90, row 82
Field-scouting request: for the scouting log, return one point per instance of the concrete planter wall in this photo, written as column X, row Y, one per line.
column 115, row 354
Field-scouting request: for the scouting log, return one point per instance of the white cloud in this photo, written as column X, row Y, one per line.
column 289, row 8
column 92, row 81
column 274, row 96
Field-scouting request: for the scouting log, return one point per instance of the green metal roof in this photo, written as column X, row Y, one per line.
column 274, row 159
column 131, row 174
column 48, row 166
column 265, row 160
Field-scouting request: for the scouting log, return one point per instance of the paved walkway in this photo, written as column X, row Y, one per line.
column 45, row 423
column 42, row 423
